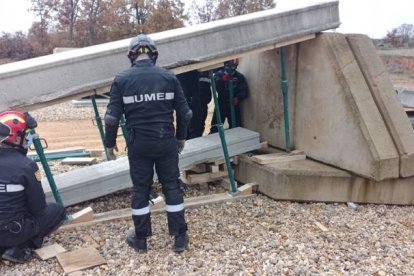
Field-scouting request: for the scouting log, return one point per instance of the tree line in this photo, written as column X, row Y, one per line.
column 402, row 36
column 81, row 23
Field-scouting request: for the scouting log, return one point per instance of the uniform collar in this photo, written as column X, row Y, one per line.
column 142, row 63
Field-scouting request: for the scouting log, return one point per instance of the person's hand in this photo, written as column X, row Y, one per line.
column 180, row 145
column 110, row 153
column 235, row 101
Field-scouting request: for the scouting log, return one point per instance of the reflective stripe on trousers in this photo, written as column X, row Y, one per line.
column 174, row 208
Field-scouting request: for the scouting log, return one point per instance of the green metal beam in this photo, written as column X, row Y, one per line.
column 223, row 137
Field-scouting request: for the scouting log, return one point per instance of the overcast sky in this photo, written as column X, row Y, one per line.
column 371, row 17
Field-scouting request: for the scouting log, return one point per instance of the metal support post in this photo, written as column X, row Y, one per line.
column 285, row 99
column 223, row 137
column 99, row 124
column 46, row 168
column 232, row 107
column 122, row 123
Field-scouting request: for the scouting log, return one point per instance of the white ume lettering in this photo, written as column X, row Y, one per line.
column 150, row 97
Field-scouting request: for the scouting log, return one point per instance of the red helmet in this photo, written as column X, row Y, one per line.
column 12, row 125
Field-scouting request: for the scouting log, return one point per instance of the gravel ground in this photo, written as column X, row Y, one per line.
column 255, row 236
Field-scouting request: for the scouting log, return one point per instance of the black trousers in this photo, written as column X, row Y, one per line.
column 30, row 230
column 142, row 156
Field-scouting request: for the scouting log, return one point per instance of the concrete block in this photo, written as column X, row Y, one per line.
column 307, row 180
column 337, row 120
column 383, row 92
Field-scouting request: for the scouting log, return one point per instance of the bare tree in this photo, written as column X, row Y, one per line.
column 210, row 10
column 400, row 36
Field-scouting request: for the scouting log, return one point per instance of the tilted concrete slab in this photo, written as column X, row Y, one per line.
column 307, row 180
column 98, row 180
column 333, row 115
column 386, row 99
column 337, row 120
column 34, row 82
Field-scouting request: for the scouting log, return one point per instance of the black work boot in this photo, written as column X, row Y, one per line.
column 181, row 243
column 17, row 254
column 139, row 244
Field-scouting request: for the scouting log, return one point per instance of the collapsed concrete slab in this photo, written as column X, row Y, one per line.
column 307, row 180
column 53, row 78
column 98, row 180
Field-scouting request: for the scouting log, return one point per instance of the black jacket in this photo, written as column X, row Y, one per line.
column 147, row 95
column 240, row 88
column 21, row 191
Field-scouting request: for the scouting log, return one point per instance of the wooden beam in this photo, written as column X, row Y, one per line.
column 276, row 157
column 190, row 203
column 247, row 189
column 82, row 216
column 205, row 177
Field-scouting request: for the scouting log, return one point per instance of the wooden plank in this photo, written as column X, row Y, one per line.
column 276, row 157
column 321, row 226
column 247, row 189
column 213, row 168
column 80, row 259
column 205, row 177
column 79, row 161
column 199, row 168
column 82, row 216
column 222, row 161
column 49, row 251
column 190, row 203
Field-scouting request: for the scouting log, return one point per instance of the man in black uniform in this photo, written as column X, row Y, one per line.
column 148, row 95
column 25, row 217
column 223, row 78
column 196, row 87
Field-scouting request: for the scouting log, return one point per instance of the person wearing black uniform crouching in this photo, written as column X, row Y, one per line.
column 25, row 217
column 148, row 95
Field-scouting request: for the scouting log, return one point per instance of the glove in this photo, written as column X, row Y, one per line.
column 180, row 145
column 235, row 101
column 110, row 153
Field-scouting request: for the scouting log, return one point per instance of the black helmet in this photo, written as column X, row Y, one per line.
column 142, row 44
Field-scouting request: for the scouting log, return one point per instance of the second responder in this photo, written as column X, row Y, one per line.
column 223, row 77
column 148, row 95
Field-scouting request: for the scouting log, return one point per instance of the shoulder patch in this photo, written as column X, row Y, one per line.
column 38, row 175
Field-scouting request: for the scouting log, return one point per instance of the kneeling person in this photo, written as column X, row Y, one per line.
column 25, row 217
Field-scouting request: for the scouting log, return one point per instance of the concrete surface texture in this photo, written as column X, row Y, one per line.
column 383, row 92
column 337, row 120
column 88, row 70
column 262, row 111
column 343, row 109
column 307, row 180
